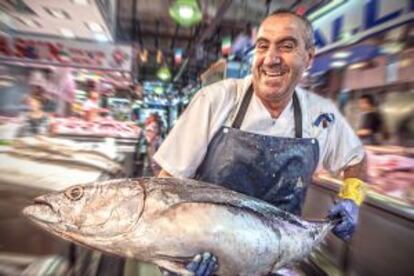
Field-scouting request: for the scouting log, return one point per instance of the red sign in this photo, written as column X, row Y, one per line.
column 66, row 53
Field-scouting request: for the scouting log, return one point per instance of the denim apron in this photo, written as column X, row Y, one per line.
column 274, row 169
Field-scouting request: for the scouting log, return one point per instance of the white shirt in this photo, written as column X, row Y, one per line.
column 90, row 105
column 216, row 105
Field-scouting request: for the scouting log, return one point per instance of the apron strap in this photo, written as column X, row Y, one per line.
column 243, row 108
column 297, row 112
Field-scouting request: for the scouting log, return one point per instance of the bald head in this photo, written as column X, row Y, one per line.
column 307, row 26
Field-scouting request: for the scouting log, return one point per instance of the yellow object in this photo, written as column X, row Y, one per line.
column 353, row 188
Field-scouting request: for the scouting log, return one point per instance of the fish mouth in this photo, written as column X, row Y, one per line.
column 41, row 212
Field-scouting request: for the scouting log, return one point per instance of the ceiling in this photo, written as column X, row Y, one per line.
column 74, row 19
column 146, row 24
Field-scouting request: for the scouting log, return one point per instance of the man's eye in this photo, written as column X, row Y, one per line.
column 287, row 46
column 261, row 46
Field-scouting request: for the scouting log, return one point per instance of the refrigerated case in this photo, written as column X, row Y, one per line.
column 383, row 243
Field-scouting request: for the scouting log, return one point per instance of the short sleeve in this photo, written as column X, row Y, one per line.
column 343, row 146
column 180, row 153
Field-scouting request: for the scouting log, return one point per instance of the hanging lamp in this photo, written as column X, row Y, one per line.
column 185, row 12
column 164, row 73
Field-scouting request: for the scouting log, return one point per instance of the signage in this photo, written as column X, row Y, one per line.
column 358, row 19
column 178, row 56
column 31, row 49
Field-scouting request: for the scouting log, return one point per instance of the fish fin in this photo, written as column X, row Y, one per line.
column 173, row 267
column 333, row 221
column 175, row 259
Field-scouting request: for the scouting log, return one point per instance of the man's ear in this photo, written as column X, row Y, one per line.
column 311, row 55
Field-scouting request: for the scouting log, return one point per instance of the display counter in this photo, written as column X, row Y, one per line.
column 383, row 243
column 36, row 165
column 32, row 166
column 125, row 149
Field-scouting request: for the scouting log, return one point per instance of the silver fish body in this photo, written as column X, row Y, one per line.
column 167, row 221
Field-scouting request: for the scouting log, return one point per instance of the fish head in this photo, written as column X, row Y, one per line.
column 90, row 214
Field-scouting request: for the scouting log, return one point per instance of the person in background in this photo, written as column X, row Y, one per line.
column 91, row 108
column 264, row 136
column 36, row 120
column 153, row 141
column 46, row 99
column 372, row 125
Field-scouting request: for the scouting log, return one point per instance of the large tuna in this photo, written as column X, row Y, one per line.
column 166, row 221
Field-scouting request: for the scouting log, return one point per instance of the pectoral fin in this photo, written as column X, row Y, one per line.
column 174, row 267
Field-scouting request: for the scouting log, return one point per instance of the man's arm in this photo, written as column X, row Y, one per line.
column 364, row 132
column 164, row 173
column 357, row 171
column 352, row 194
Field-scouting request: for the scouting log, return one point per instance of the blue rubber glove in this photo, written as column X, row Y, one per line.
column 347, row 211
column 202, row 265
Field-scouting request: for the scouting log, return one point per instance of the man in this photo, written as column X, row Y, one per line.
column 263, row 136
column 371, row 121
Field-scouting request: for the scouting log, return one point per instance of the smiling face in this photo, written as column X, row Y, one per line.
column 282, row 55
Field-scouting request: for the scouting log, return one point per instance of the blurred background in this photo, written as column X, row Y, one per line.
column 89, row 89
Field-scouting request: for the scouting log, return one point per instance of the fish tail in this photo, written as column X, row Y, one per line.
column 321, row 227
column 331, row 221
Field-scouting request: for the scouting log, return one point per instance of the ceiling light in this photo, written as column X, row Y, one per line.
column 67, row 33
column 101, row 37
column 164, row 73
column 58, row 13
column 158, row 90
column 358, row 65
column 338, row 64
column 94, row 27
column 185, row 12
column 391, row 48
column 81, row 2
column 342, row 54
column 28, row 22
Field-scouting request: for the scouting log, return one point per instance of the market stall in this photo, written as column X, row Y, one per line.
column 72, row 149
column 90, row 88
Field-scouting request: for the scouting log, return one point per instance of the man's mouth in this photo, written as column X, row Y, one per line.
column 273, row 74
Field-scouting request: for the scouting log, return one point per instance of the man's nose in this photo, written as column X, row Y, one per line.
column 273, row 56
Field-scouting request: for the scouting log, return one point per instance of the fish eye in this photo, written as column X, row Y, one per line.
column 74, row 193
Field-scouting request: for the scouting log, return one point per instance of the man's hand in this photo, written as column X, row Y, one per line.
column 347, row 211
column 164, row 173
column 202, row 265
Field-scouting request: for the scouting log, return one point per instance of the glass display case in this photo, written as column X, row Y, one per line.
column 386, row 218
